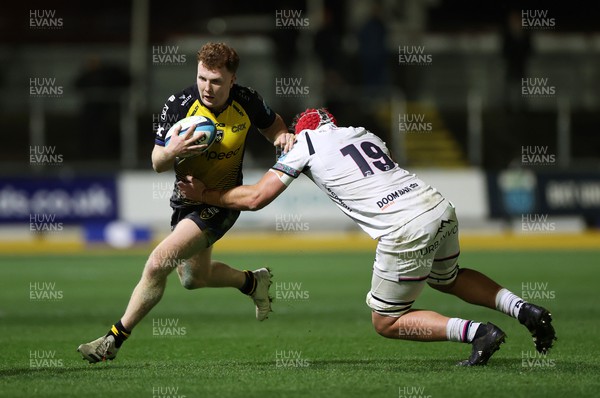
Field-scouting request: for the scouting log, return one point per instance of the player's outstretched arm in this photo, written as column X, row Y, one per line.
column 278, row 134
column 244, row 197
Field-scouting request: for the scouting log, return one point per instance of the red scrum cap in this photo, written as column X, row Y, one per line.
column 312, row 119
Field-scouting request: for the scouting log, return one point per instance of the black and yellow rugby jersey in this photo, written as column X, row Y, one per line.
column 221, row 165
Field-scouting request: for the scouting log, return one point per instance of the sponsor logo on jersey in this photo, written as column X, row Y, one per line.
column 185, row 99
column 237, row 128
column 391, row 197
column 209, row 212
column 172, row 98
column 163, row 114
column 336, row 199
column 193, row 112
column 221, row 155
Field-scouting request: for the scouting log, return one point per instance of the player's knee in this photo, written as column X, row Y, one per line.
column 190, row 281
column 381, row 329
column 189, row 284
column 185, row 278
column 383, row 325
column 155, row 268
column 193, row 283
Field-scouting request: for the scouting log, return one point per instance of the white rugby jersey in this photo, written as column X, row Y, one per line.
column 353, row 167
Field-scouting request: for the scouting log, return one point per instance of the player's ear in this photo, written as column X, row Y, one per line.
column 233, row 79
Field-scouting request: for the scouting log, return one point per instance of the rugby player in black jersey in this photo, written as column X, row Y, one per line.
column 236, row 110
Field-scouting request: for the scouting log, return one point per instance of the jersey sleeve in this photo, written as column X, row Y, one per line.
column 297, row 159
column 260, row 114
column 169, row 115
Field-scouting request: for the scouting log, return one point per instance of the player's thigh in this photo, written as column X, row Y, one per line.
column 213, row 221
column 425, row 250
column 445, row 260
column 399, row 256
column 185, row 241
column 399, row 271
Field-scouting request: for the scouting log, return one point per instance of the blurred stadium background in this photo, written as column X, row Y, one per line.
column 494, row 104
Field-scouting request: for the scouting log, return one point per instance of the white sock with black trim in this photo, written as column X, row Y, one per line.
column 461, row 330
column 508, row 303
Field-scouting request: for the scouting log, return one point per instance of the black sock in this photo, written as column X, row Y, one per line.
column 119, row 332
column 249, row 285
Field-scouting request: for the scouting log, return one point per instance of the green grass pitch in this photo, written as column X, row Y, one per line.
column 318, row 342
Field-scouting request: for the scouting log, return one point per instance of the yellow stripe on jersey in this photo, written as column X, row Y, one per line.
column 220, row 166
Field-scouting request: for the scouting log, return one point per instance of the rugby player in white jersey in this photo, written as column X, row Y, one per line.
column 416, row 226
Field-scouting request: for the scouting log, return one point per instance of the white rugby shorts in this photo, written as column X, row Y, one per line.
column 424, row 250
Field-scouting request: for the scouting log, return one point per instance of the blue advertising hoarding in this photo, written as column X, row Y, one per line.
column 515, row 192
column 67, row 200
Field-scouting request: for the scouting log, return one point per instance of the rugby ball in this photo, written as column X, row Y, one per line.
column 205, row 130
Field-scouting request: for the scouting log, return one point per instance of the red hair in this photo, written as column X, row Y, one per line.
column 217, row 55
